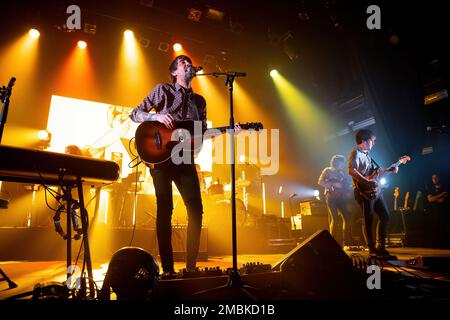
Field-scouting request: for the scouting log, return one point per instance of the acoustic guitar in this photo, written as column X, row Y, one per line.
column 155, row 142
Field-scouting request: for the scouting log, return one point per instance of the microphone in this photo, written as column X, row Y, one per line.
column 194, row 69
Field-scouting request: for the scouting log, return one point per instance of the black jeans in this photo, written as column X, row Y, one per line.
column 185, row 178
column 378, row 206
column 336, row 206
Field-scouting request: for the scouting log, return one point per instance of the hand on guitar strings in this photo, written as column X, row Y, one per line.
column 237, row 128
column 166, row 119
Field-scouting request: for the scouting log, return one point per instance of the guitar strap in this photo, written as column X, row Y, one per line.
column 374, row 164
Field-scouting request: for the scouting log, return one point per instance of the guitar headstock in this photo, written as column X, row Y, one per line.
column 252, row 126
column 396, row 192
column 404, row 159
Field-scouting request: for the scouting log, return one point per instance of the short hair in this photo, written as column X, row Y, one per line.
column 336, row 159
column 173, row 66
column 363, row 135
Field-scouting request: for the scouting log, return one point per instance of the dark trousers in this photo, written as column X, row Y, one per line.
column 338, row 206
column 185, row 178
column 368, row 207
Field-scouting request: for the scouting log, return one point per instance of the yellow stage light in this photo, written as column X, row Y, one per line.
column 177, row 47
column 44, row 135
column 34, row 33
column 128, row 34
column 82, row 44
column 273, row 73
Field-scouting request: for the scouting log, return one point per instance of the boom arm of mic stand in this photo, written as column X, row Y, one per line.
column 223, row 74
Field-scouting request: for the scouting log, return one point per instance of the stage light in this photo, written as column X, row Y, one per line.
column 144, row 42
column 241, row 157
column 128, row 34
column 34, row 33
column 44, row 135
column 383, row 181
column 316, row 193
column 280, row 189
column 177, row 47
column 82, row 44
column 163, row 46
column 273, row 73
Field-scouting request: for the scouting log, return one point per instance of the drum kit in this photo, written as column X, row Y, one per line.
column 216, row 198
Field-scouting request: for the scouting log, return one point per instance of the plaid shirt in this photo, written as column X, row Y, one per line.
column 173, row 99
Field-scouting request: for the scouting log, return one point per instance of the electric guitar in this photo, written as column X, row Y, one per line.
column 371, row 190
column 155, row 142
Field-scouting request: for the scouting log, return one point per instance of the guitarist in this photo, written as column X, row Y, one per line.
column 336, row 184
column 173, row 102
column 360, row 166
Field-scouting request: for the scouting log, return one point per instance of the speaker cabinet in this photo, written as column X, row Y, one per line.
column 319, row 269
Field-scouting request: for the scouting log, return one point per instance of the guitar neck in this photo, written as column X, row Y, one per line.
column 385, row 171
column 212, row 132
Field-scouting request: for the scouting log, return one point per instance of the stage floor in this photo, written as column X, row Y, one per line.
column 27, row 274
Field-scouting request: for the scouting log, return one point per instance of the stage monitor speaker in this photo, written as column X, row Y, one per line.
column 319, row 269
column 132, row 274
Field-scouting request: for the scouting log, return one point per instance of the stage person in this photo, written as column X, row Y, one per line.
column 336, row 183
column 174, row 102
column 360, row 165
column 437, row 196
column 437, row 193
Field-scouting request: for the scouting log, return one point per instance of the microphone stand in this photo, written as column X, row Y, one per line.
column 235, row 284
column 5, row 94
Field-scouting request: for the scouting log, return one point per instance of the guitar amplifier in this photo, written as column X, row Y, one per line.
column 312, row 223
column 179, row 240
column 314, row 217
column 313, row 208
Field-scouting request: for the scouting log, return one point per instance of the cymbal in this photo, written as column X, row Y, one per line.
column 205, row 174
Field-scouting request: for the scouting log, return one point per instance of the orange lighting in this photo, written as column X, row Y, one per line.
column 76, row 76
column 82, row 44
column 34, row 33
column 177, row 47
